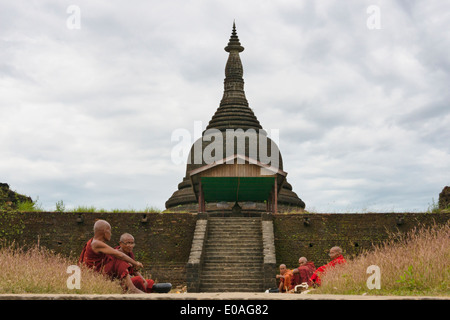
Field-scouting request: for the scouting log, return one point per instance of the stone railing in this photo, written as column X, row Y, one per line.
column 194, row 265
column 270, row 268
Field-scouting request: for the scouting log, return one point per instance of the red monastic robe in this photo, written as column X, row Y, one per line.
column 315, row 278
column 100, row 262
column 304, row 274
column 137, row 280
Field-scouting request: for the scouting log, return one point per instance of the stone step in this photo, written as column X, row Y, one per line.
column 234, row 252
column 240, row 225
column 235, row 247
column 226, row 258
column 236, row 237
column 220, row 290
column 230, row 284
column 256, row 276
column 229, row 241
column 234, row 222
column 231, row 265
column 236, row 227
column 227, row 254
column 233, row 243
column 233, row 256
column 232, row 260
column 234, row 219
column 219, row 272
column 235, row 231
column 230, row 287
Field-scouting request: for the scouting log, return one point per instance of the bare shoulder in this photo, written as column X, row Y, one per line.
column 97, row 245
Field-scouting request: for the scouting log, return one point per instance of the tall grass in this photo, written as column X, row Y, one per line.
column 413, row 263
column 91, row 209
column 39, row 270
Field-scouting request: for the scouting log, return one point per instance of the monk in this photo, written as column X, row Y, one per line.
column 126, row 245
column 336, row 258
column 303, row 273
column 285, row 277
column 99, row 256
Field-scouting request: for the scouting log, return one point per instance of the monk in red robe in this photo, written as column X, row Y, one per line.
column 303, row 273
column 126, row 245
column 337, row 258
column 285, row 277
column 97, row 255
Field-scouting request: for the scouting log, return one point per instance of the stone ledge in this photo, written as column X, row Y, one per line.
column 211, row 296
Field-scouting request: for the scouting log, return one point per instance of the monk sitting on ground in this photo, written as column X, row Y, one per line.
column 285, row 277
column 303, row 273
column 99, row 256
column 126, row 245
column 337, row 258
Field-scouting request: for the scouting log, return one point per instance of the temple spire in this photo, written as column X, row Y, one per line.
column 234, row 44
column 234, row 111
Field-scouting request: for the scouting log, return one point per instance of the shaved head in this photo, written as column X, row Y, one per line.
column 126, row 236
column 302, row 261
column 335, row 252
column 101, row 226
column 337, row 249
column 102, row 230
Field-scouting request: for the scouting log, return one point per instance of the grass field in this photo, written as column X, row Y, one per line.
column 415, row 263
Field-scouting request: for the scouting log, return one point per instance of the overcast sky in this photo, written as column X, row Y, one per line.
column 91, row 91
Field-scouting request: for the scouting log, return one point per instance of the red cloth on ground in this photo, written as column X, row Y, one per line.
column 100, row 262
column 315, row 278
column 304, row 274
column 138, row 282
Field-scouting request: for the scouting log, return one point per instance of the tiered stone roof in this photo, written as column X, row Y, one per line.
column 233, row 113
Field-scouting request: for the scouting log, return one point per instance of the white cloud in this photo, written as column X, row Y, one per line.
column 87, row 115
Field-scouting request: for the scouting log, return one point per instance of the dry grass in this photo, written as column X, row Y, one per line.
column 415, row 263
column 39, row 270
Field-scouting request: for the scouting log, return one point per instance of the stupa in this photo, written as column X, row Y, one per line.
column 234, row 166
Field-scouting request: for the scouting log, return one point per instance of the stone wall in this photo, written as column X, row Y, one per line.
column 163, row 241
column 312, row 235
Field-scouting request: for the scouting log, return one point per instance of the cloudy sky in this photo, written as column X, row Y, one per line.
column 91, row 92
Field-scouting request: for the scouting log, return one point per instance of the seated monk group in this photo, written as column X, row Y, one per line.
column 306, row 272
column 289, row 279
column 117, row 263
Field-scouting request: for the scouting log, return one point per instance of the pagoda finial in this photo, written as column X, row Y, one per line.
column 234, row 43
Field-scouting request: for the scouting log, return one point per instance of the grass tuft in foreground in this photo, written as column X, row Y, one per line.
column 41, row 271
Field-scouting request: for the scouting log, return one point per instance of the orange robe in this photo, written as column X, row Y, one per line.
column 286, row 281
column 315, row 278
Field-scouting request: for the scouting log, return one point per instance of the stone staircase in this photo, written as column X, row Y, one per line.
column 233, row 255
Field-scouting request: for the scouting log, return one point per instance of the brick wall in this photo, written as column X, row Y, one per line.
column 163, row 241
column 312, row 235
